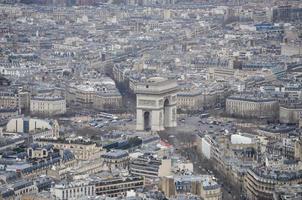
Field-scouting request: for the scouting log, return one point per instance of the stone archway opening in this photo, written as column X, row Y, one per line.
column 147, row 126
column 166, row 113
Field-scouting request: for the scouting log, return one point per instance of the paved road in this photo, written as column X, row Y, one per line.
column 182, row 138
column 202, row 166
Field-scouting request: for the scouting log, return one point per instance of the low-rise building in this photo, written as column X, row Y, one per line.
column 47, row 105
column 22, row 189
column 82, row 94
column 290, row 114
column 231, row 154
column 285, row 192
column 18, row 70
column 36, row 161
column 97, row 94
column 107, row 100
column 37, row 128
column 6, row 113
column 24, row 99
column 73, row 190
column 116, row 159
column 150, row 167
column 35, row 151
column 82, row 150
column 113, row 187
column 221, row 73
column 276, row 131
column 11, row 143
column 260, row 182
column 9, row 99
column 189, row 99
column 248, row 106
column 87, row 167
column 298, row 149
column 202, row 186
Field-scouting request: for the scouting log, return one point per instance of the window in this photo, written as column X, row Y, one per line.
column 30, row 153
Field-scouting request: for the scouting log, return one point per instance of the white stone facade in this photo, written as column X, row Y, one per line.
column 156, row 104
column 48, row 105
column 73, row 191
column 38, row 128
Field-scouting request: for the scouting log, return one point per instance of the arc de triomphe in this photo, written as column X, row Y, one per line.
column 156, row 104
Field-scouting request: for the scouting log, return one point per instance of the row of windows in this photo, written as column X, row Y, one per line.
column 9, row 102
column 186, row 100
column 48, row 104
column 117, row 188
column 44, row 108
column 24, row 191
column 75, row 192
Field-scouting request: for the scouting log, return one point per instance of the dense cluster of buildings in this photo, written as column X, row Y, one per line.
column 72, row 73
column 259, row 163
column 97, row 94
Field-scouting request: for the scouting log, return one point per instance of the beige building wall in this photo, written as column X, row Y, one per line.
column 253, row 109
column 38, row 127
column 103, row 102
column 210, row 194
column 48, row 107
column 290, row 114
column 261, row 188
column 165, row 168
column 189, row 102
column 298, row 150
column 221, row 73
column 167, row 186
column 15, row 125
column 85, row 97
column 81, row 151
column 91, row 98
column 24, row 99
column 9, row 100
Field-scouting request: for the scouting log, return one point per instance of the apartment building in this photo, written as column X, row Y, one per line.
column 81, row 149
column 150, row 167
column 260, row 182
column 37, row 128
column 74, row 190
column 248, row 106
column 47, row 105
column 202, row 186
column 113, row 187
column 116, row 159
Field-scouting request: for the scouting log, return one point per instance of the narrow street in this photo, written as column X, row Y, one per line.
column 182, row 142
column 203, row 166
